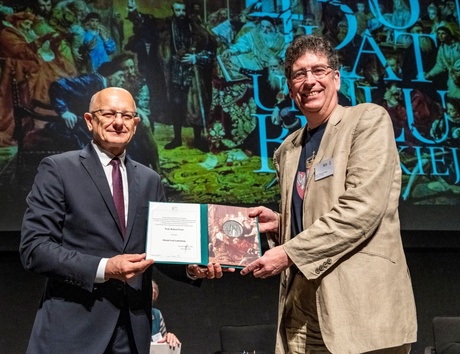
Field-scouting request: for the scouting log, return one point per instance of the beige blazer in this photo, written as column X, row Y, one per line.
column 351, row 245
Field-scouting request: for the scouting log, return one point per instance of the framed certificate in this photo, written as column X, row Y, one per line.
column 202, row 233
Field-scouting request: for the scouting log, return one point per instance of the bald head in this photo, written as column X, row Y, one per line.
column 108, row 93
column 112, row 119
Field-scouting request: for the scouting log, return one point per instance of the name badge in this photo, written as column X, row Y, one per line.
column 324, row 169
column 156, row 337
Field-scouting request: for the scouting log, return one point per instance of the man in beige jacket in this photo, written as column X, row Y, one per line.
column 345, row 285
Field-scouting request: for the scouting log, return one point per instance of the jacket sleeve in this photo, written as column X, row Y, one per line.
column 41, row 249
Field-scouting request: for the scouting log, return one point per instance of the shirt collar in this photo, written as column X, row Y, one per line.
column 106, row 156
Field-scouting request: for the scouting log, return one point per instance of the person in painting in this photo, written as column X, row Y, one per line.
column 97, row 41
column 188, row 52
column 259, row 45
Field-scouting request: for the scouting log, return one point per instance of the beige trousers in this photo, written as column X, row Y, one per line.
column 302, row 326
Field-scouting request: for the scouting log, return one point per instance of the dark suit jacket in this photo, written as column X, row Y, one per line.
column 70, row 224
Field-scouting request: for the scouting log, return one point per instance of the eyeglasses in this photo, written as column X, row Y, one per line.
column 318, row 72
column 111, row 114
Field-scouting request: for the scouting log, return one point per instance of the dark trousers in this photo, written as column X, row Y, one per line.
column 122, row 341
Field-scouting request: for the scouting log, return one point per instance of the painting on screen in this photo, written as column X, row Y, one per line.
column 208, row 80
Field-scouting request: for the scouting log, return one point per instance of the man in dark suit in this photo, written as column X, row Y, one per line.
column 98, row 291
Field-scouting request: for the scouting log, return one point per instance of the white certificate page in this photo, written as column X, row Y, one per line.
column 174, row 233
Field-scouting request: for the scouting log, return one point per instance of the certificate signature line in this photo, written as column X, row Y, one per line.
column 186, row 248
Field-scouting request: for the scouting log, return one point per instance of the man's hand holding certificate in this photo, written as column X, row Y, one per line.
column 202, row 233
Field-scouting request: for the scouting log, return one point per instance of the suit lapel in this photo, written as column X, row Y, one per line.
column 92, row 164
column 289, row 174
column 133, row 185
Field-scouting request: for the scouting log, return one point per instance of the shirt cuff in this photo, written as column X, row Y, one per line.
column 100, row 274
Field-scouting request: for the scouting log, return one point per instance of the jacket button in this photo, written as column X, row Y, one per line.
column 329, row 261
column 317, row 271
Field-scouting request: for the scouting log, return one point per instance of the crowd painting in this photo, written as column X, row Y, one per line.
column 208, row 80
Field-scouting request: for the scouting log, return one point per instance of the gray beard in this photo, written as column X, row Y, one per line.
column 275, row 80
column 268, row 38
